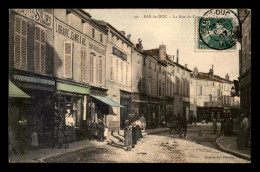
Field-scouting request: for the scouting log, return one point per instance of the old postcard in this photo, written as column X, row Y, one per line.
column 129, row 86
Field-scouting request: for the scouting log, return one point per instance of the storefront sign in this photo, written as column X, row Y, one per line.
column 119, row 54
column 37, row 15
column 70, row 33
column 72, row 88
column 97, row 49
column 34, row 80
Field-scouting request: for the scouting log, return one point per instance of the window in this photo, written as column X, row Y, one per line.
column 200, row 90
column 20, row 42
column 126, row 74
column 92, row 67
column 100, row 70
column 40, row 49
column 112, row 68
column 160, row 88
column 68, row 60
column 163, row 93
column 122, row 72
column 93, row 33
column 144, row 61
column 83, row 65
column 116, row 70
column 101, row 38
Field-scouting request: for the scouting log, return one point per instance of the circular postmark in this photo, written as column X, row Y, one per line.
column 219, row 29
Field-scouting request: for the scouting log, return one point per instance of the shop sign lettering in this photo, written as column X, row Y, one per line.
column 37, row 15
column 69, row 33
column 34, row 80
column 96, row 49
column 119, row 54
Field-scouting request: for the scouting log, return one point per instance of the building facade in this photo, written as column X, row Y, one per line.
column 245, row 63
column 31, row 82
column 79, row 69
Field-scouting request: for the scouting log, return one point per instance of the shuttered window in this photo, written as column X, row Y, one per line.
column 100, row 70
column 40, row 49
column 92, row 67
column 20, row 43
column 122, row 72
column 112, row 68
column 68, row 59
column 83, row 65
column 126, row 74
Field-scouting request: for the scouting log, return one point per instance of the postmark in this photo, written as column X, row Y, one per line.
column 217, row 29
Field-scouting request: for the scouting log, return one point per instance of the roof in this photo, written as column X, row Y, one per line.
column 106, row 25
column 205, row 78
column 177, row 64
column 152, row 52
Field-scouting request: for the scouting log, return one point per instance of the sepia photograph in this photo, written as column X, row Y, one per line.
column 129, row 85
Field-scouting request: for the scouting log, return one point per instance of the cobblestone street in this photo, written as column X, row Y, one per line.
column 155, row 148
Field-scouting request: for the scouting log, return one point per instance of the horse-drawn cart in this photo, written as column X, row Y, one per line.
column 174, row 127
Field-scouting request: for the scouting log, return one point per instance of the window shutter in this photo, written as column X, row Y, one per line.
column 20, row 43
column 68, row 60
column 100, row 71
column 37, row 49
column 43, row 50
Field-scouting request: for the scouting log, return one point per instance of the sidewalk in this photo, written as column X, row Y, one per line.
column 228, row 144
column 43, row 153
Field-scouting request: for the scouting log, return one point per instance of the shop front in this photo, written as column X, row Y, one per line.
column 31, row 108
column 71, row 109
column 126, row 101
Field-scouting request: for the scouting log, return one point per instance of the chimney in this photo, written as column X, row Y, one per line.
column 227, row 77
column 173, row 58
column 162, row 52
column 212, row 71
column 129, row 36
column 139, row 46
column 122, row 32
column 177, row 60
column 186, row 66
column 195, row 71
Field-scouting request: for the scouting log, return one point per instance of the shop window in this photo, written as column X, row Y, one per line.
column 20, row 42
column 40, row 49
column 68, row 59
column 83, row 65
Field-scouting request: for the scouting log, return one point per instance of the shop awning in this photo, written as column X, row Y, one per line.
column 108, row 101
column 14, row 91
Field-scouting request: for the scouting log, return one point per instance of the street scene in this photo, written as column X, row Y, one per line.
column 129, row 86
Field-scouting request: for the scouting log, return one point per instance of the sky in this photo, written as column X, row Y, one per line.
column 175, row 32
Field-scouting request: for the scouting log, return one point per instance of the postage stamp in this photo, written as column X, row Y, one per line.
column 217, row 29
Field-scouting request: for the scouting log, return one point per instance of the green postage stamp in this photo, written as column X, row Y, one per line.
column 217, row 30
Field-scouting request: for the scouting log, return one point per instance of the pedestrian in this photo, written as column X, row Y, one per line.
column 66, row 137
column 184, row 126
column 92, row 130
column 245, row 132
column 195, row 119
column 179, row 120
column 214, row 120
column 139, row 132
column 143, row 123
column 101, row 129
column 60, row 138
column 134, row 134
column 235, row 125
column 34, row 140
column 128, row 135
column 222, row 125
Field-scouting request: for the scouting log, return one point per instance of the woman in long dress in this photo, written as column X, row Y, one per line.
column 128, row 135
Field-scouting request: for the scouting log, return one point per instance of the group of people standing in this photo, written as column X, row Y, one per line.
column 134, row 125
column 238, row 126
column 97, row 130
